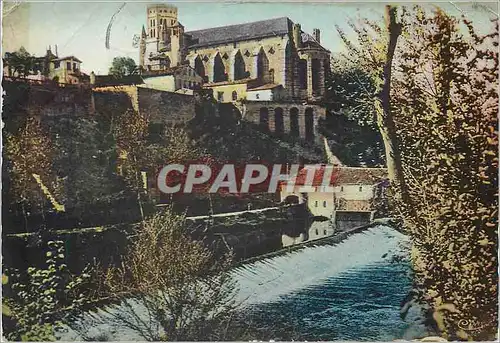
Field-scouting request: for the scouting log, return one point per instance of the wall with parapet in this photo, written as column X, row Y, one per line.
column 162, row 107
column 252, row 113
column 166, row 107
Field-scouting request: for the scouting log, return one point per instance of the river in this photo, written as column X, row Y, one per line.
column 348, row 291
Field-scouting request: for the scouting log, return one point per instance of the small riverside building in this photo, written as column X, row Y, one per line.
column 353, row 190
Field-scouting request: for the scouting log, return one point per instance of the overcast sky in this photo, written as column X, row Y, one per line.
column 79, row 28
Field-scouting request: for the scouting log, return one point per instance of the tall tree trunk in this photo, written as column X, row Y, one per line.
column 139, row 202
column 138, row 184
column 385, row 119
column 25, row 217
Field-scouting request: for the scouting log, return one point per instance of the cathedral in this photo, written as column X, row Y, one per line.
column 272, row 67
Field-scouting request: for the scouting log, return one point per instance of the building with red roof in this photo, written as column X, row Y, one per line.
column 335, row 188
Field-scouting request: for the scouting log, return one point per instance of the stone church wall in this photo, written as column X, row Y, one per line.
column 273, row 47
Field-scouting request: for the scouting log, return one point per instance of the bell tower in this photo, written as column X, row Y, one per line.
column 163, row 38
column 160, row 18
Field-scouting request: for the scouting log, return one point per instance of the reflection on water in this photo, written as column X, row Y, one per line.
column 348, row 291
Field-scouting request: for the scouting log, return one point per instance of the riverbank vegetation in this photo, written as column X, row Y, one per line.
column 90, row 186
column 167, row 286
column 420, row 92
column 436, row 105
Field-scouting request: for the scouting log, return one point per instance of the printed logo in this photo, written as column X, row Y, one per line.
column 244, row 178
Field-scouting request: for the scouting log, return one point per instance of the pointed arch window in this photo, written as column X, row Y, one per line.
column 199, row 67
column 262, row 64
column 239, row 67
column 219, row 69
column 309, row 123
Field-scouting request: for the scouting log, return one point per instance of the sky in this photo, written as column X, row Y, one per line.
column 79, row 28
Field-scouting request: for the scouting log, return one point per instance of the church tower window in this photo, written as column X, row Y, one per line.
column 262, row 65
column 294, row 122
column 315, row 71
column 302, row 74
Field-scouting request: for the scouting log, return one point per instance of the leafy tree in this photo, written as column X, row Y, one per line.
column 29, row 153
column 123, row 66
column 350, row 124
column 443, row 102
column 139, row 152
column 374, row 53
column 40, row 299
column 349, row 90
column 21, row 61
column 446, row 106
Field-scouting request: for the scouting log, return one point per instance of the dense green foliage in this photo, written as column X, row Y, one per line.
column 446, row 106
column 33, row 138
column 21, row 62
column 123, row 66
column 350, row 125
column 444, row 103
column 41, row 299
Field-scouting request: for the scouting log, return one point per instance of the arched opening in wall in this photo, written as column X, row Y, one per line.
column 262, row 65
column 326, row 68
column 239, row 67
column 271, row 76
column 219, row 69
column 302, row 66
column 199, row 68
column 291, row 199
column 309, row 122
column 279, row 125
column 264, row 118
column 294, row 122
column 315, row 74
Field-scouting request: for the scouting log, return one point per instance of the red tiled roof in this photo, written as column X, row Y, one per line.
column 351, row 175
column 343, row 175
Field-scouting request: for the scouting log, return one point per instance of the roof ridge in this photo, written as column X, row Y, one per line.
column 232, row 25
